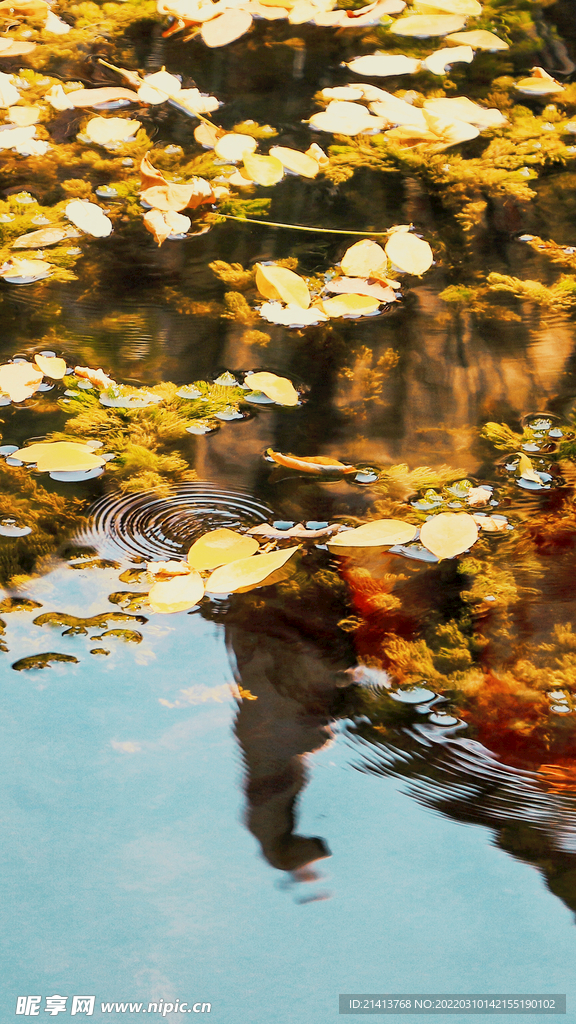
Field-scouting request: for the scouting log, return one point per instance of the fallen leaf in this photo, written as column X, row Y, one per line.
column 478, row 496
column 364, row 259
column 541, row 84
column 207, row 135
column 8, row 92
column 409, row 253
column 177, row 594
column 89, row 217
column 343, row 118
column 23, row 140
column 219, row 547
column 150, row 175
column 264, row 170
column 311, row 464
column 44, row 237
column 60, row 456
column 350, row 304
column 226, row 28
column 194, row 102
column 439, row 62
column 422, row 26
column 159, row 87
column 358, row 286
column 247, row 572
column 24, row 116
column 96, row 377
column 381, row 65
column 292, row 315
column 378, row 533
column 173, row 196
column 479, row 39
column 492, row 524
column 94, row 97
column 15, row 47
column 51, row 366
column 463, row 109
column 298, row 163
column 58, row 99
column 279, row 389
column 111, row 129
column 526, row 469
column 19, row 380
column 298, row 531
column 19, row 271
column 233, row 146
column 163, row 224
column 467, row 8
column 395, row 111
column 56, row 25
column 280, row 283
column 171, row 568
column 449, row 534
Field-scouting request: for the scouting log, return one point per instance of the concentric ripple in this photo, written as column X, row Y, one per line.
column 163, row 527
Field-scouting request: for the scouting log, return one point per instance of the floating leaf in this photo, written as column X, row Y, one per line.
column 395, row 111
column 449, row 534
column 350, row 305
column 467, row 8
column 280, row 283
column 247, row 572
column 110, row 129
column 177, row 594
column 23, row 140
column 318, row 154
column 96, row 377
column 358, row 286
column 264, row 170
column 364, row 259
column 8, row 92
column 171, row 568
column 60, row 456
column 441, row 61
column 219, row 547
column 292, row 315
column 19, row 380
column 226, row 28
column 382, row 65
column 95, row 97
column 44, row 237
column 526, row 469
column 463, row 109
column 293, row 160
column 422, row 26
column 409, row 253
column 279, row 389
column 51, row 366
column 164, row 224
column 233, row 146
column 89, row 218
column 174, row 196
column 14, row 47
column 18, row 271
column 541, row 84
column 479, row 39
column 342, row 118
column 207, row 135
column 378, row 533
column 24, row 116
column 311, row 464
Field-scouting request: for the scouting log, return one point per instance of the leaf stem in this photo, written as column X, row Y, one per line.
column 300, row 227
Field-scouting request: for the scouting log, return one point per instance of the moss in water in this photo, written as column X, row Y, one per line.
column 37, row 661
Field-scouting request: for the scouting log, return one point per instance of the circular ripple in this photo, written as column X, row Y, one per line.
column 164, row 527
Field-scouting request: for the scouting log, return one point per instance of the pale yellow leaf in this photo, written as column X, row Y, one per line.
column 466, row 8
column 24, row 116
column 163, row 224
column 219, row 547
column 15, row 47
column 359, row 286
column 234, row 146
column 449, row 534
column 363, row 259
column 96, row 377
column 293, row 160
column 171, row 568
column 51, row 366
column 44, row 237
column 541, row 84
column 395, row 111
column 526, row 469
column 89, row 217
column 343, row 118
column 110, row 129
column 409, row 253
column 439, row 62
column 382, row 65
column 318, row 154
column 292, row 315
column 352, row 305
column 60, row 456
column 177, row 594
column 378, row 533
column 478, row 39
column 226, row 28
column 279, row 389
column 94, row 97
column 207, row 135
column 176, row 196
column 19, row 380
column 322, row 464
column 461, row 108
column 422, row 26
column 8, row 92
column 25, row 270
column 247, row 572
column 264, row 170
column 280, row 283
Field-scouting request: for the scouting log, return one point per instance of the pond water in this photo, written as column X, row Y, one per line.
column 356, row 776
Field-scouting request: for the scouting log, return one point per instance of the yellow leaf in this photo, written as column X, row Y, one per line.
column 541, row 84
column 467, row 8
column 226, row 27
column 409, row 253
column 298, row 163
column 175, row 196
column 350, row 305
column 207, row 135
column 171, row 568
column 23, row 116
column 526, row 469
column 163, row 224
column 359, row 286
column 60, row 456
column 110, row 129
column 89, row 218
column 280, row 283
column 15, row 47
column 311, row 464
column 292, row 315
column 343, row 118
column 28, row 270
column 177, row 594
column 279, row 389
column 449, row 534
column 264, row 170
column 381, row 65
column 378, row 533
column 464, row 109
column 234, row 146
column 318, row 154
column 363, row 258
column 51, row 366
column 247, row 572
column 439, row 62
column 96, row 377
column 422, row 26
column 94, row 97
column 479, row 39
column 219, row 547
column 44, row 237
column 19, row 380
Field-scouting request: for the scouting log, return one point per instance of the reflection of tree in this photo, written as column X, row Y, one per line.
column 289, row 657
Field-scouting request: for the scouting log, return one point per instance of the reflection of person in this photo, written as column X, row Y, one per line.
column 290, row 662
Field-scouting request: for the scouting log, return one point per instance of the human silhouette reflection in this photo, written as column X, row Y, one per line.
column 291, row 657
